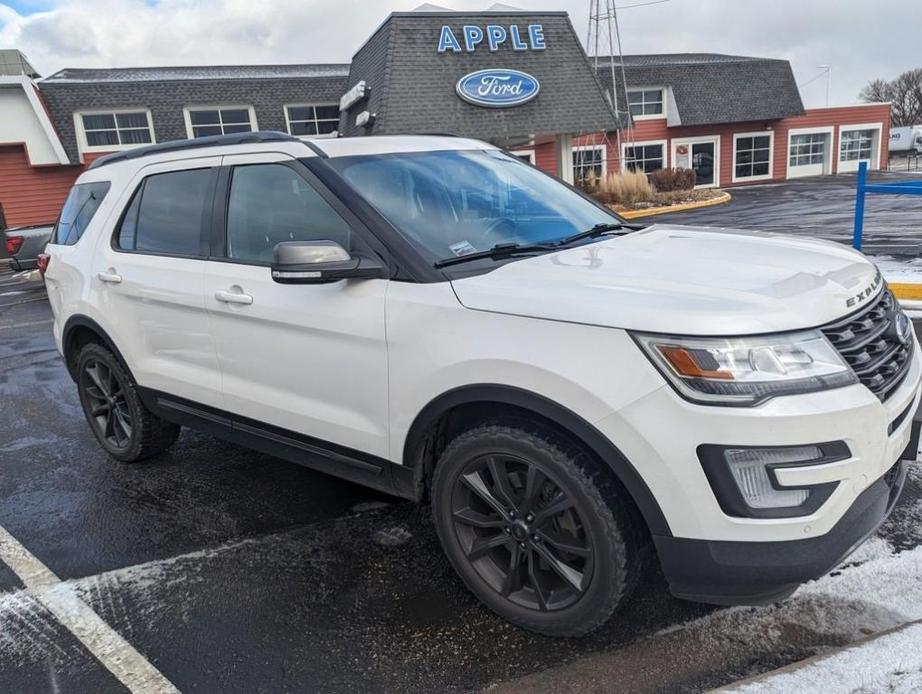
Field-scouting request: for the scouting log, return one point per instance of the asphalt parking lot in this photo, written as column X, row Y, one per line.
column 227, row 570
column 820, row 207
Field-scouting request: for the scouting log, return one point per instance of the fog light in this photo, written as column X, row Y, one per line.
column 749, row 467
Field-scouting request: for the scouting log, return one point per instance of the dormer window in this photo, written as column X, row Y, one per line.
column 646, row 103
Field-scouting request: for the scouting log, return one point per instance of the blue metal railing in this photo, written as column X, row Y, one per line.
column 863, row 188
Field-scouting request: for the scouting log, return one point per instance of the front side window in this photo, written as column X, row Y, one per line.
column 118, row 129
column 588, row 164
column 645, row 102
column 752, row 156
column 166, row 214
column 220, row 121
column 270, row 204
column 856, row 145
column 452, row 203
column 645, row 158
column 808, row 149
column 79, row 208
column 304, row 121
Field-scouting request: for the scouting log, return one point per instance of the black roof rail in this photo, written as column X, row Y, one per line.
column 197, row 143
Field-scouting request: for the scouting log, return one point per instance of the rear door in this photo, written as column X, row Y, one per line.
column 149, row 277
column 311, row 359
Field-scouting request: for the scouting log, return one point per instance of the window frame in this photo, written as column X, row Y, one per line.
column 771, row 156
column 647, row 116
column 526, row 155
column 204, row 224
column 188, row 110
column 828, row 132
column 587, row 148
column 847, row 165
column 83, row 145
column 317, row 121
column 645, row 143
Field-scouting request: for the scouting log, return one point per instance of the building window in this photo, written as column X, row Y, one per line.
column 116, row 129
column 202, row 122
column 856, row 145
column 752, row 156
column 808, row 150
column 644, row 157
column 527, row 155
column 306, row 120
column 645, row 102
column 588, row 164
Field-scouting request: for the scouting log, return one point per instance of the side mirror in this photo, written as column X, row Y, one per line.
column 320, row 262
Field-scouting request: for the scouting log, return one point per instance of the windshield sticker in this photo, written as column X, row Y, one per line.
column 462, row 248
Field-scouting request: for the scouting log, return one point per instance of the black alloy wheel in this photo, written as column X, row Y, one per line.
column 108, row 410
column 522, row 532
column 533, row 529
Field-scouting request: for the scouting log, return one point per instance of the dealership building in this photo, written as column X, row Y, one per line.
column 519, row 79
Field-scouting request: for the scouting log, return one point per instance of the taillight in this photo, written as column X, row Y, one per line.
column 43, row 260
column 13, row 244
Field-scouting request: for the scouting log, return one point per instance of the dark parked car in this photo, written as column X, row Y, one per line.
column 23, row 244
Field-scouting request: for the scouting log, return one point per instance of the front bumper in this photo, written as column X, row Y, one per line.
column 758, row 573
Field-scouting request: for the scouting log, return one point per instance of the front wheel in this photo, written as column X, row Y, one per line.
column 124, row 427
column 528, row 530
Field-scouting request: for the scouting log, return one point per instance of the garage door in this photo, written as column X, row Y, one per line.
column 809, row 155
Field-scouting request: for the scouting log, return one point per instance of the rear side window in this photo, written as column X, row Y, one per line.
column 166, row 214
column 79, row 208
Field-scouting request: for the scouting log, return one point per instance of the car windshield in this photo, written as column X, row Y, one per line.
column 453, row 203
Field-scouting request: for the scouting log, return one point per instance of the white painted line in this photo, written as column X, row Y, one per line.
column 118, row 656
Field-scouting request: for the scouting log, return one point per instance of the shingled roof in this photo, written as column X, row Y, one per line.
column 709, row 88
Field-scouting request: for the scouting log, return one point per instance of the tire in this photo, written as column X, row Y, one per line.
column 124, row 427
column 578, row 588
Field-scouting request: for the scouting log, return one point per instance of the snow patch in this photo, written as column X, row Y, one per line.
column 898, row 270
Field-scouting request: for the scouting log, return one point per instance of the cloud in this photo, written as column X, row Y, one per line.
column 861, row 40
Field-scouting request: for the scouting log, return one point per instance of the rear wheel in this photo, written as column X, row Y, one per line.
column 124, row 427
column 528, row 530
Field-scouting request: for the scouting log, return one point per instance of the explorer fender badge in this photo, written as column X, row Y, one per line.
column 497, row 88
column 865, row 293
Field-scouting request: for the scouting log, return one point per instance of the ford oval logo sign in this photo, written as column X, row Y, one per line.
column 498, row 88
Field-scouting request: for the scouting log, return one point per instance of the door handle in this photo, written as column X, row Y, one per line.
column 110, row 277
column 233, row 298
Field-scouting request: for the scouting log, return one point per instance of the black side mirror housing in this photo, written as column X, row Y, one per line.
column 320, row 262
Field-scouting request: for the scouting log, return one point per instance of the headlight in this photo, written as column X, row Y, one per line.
column 746, row 371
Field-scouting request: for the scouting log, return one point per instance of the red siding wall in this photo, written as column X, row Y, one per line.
column 32, row 194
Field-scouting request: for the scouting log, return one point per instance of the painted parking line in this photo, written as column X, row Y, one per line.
column 28, row 324
column 117, row 655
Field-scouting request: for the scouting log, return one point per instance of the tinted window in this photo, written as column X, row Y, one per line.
column 166, row 213
column 79, row 208
column 271, row 203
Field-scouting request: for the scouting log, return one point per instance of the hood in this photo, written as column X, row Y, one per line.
column 682, row 280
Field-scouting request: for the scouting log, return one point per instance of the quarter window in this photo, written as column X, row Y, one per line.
column 645, row 102
column 270, row 204
column 588, row 164
column 808, row 149
column 220, row 121
column 116, row 129
column 312, row 120
column 752, row 156
column 646, row 158
column 79, row 208
column 856, row 145
column 166, row 214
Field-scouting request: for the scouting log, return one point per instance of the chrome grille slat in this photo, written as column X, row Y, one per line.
column 867, row 344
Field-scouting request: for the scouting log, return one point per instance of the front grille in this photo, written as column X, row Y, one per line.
column 869, row 343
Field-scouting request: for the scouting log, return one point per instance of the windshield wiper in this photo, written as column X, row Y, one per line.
column 500, row 250
column 599, row 230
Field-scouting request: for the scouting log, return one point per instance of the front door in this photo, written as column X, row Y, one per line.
column 311, row 359
column 703, row 156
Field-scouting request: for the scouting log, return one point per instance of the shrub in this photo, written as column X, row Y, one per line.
column 626, row 187
column 667, row 180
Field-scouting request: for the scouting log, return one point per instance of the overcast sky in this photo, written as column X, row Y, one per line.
column 861, row 39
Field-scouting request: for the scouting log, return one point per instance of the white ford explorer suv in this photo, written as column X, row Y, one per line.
column 437, row 319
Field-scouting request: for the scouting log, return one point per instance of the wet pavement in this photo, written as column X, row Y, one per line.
column 820, row 207
column 232, row 571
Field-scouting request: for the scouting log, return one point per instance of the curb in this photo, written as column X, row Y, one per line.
column 652, row 211
column 906, row 292
column 801, row 664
